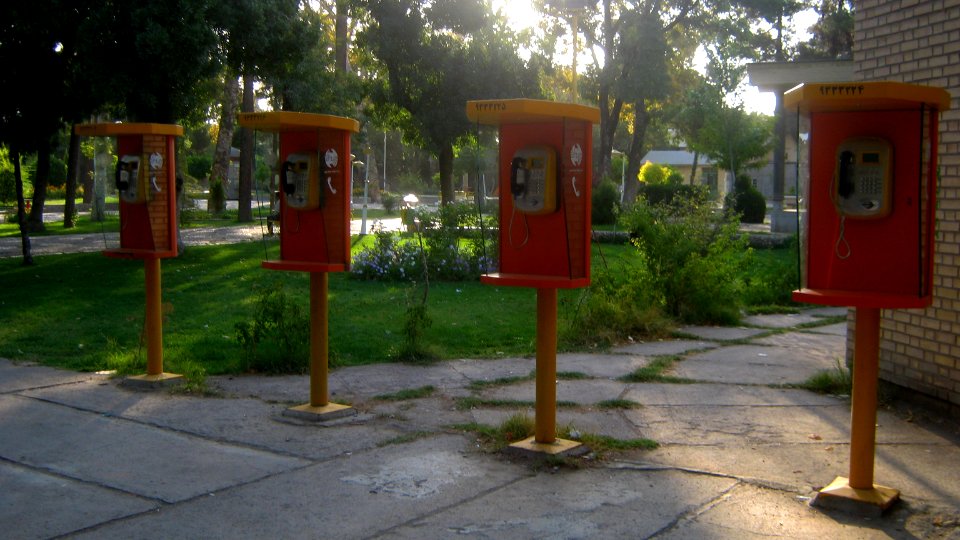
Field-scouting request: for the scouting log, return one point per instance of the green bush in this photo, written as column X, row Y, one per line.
column 390, row 202
column 747, row 201
column 278, row 339
column 606, row 203
column 695, row 258
column 217, row 202
column 198, row 166
column 666, row 194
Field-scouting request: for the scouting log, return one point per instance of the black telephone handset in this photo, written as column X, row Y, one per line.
column 286, row 179
column 845, row 174
column 518, row 176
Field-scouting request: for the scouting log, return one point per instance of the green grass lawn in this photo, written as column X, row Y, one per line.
column 86, row 311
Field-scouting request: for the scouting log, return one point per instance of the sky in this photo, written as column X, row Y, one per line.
column 521, row 14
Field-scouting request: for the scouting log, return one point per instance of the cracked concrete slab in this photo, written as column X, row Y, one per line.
column 755, row 364
column 125, row 455
column 357, row 496
column 579, row 504
column 34, row 504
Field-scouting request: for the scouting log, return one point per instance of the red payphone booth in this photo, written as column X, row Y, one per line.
column 867, row 177
column 545, row 176
column 145, row 179
column 315, row 181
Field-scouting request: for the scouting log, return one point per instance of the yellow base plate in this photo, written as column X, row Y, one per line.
column 559, row 447
column 840, row 496
column 322, row 413
column 153, row 381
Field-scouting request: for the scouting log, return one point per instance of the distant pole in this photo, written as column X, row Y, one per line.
column 384, row 160
column 366, row 183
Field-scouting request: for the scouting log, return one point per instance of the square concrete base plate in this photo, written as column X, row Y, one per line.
column 323, row 413
column 559, row 447
column 862, row 502
column 159, row 380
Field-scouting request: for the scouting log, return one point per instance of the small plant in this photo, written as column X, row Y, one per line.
column 618, row 404
column 278, row 339
column 517, row 428
column 653, row 372
column 836, row 381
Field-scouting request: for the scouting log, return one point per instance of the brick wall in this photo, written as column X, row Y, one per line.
column 918, row 41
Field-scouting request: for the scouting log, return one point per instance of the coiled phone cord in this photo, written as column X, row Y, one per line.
column 526, row 227
column 842, row 247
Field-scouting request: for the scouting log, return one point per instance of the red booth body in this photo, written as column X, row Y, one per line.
column 549, row 250
column 884, row 261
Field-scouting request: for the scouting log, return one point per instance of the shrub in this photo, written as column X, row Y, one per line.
column 390, row 202
column 653, row 174
column 199, row 166
column 217, row 202
column 606, row 203
column 278, row 339
column 618, row 303
column 747, row 201
column 695, row 258
column 666, row 194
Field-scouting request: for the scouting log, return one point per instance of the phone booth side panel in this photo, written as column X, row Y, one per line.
column 135, row 226
column 577, row 181
column 875, row 250
column 532, row 242
column 335, row 180
column 302, row 231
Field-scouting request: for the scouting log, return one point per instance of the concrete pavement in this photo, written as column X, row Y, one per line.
column 740, row 452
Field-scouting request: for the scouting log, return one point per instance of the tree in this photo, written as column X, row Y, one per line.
column 256, row 36
column 31, row 113
column 832, row 35
column 435, row 57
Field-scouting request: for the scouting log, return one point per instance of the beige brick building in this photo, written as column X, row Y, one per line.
column 918, row 41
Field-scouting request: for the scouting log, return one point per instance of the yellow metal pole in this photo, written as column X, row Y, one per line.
column 318, row 340
column 546, row 406
column 151, row 267
column 864, row 400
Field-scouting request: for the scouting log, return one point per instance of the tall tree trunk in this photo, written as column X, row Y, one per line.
column 87, row 179
column 221, row 155
column 609, row 107
column 40, row 180
column 341, row 42
column 641, row 120
column 73, row 164
column 693, row 168
column 21, row 207
column 446, row 174
column 244, row 211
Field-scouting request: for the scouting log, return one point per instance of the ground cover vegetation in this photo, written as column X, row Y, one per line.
column 225, row 314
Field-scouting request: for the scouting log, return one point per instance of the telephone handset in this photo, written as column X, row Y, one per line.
column 533, row 180
column 300, row 182
column 131, row 178
column 863, row 179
